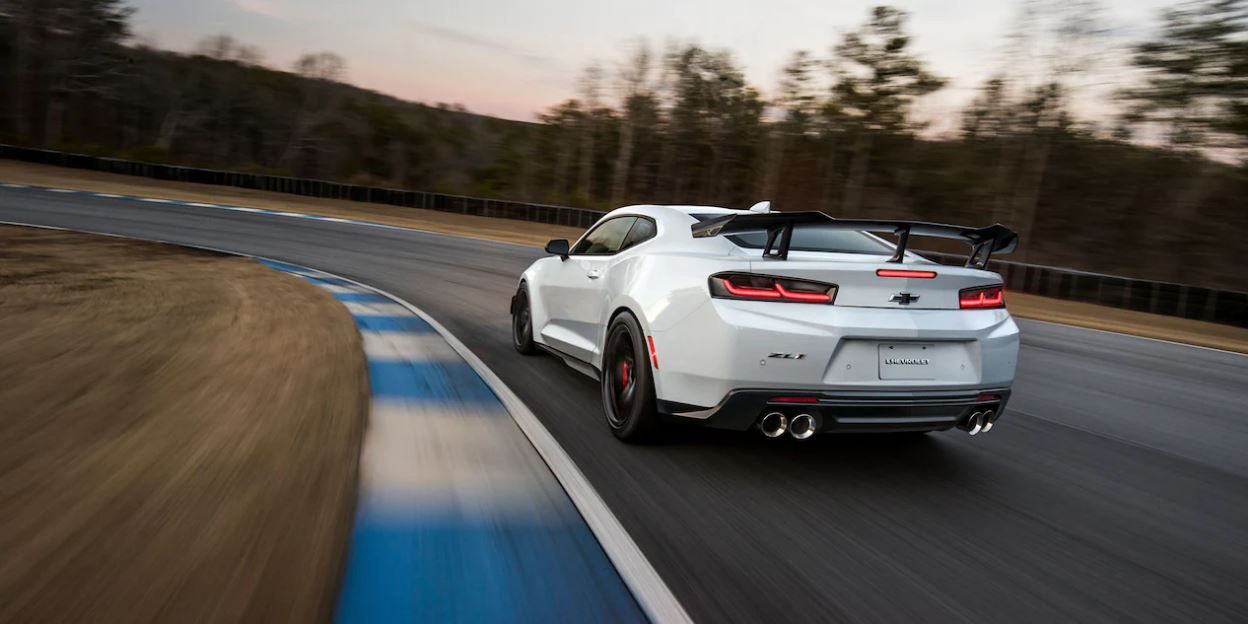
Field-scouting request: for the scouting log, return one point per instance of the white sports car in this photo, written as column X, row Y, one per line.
column 789, row 322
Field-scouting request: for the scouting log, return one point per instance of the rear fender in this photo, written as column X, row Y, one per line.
column 623, row 304
column 661, row 290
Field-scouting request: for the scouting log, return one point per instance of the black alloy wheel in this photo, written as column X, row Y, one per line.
column 522, row 323
column 628, row 383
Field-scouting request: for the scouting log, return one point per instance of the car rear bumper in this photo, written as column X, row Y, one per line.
column 725, row 346
column 847, row 412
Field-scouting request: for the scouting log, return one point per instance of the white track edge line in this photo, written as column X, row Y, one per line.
column 648, row 588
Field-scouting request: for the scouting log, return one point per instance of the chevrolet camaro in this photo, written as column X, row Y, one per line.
column 791, row 323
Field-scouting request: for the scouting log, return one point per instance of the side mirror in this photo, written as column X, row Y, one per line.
column 558, row 247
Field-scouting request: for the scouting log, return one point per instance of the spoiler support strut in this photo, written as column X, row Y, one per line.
column 903, row 238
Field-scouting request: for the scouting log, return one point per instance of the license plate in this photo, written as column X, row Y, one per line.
column 914, row 361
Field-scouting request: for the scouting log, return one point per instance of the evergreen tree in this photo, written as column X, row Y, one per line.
column 877, row 81
column 1196, row 84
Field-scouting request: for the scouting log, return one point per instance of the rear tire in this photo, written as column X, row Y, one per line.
column 628, row 382
column 522, row 323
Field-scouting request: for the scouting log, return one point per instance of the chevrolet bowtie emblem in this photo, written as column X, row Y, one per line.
column 904, row 298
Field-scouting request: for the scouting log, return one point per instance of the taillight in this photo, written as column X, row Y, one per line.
column 766, row 288
column 982, row 297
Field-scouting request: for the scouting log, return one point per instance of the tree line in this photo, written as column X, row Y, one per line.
column 1153, row 186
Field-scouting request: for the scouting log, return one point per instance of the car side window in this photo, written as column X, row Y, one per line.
column 605, row 239
column 643, row 230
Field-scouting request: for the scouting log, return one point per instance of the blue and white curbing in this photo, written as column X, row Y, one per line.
column 458, row 519
column 570, row 574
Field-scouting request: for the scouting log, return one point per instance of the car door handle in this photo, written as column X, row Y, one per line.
column 594, row 274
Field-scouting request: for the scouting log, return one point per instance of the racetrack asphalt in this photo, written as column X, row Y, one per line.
column 1114, row 488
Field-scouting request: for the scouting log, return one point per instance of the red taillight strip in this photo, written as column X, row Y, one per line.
column 745, row 291
column 793, row 399
column 654, row 355
column 802, row 296
column 777, row 291
column 905, row 273
column 977, row 298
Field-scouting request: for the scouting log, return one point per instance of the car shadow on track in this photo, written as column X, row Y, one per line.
column 885, row 454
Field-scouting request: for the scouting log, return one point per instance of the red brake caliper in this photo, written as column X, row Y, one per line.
column 623, row 375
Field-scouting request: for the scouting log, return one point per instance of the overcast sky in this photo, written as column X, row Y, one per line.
column 515, row 58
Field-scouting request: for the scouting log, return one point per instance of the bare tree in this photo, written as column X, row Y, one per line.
column 79, row 48
column 877, row 80
column 591, row 93
column 181, row 106
column 564, row 121
column 637, row 97
column 218, row 47
column 989, row 124
column 226, row 48
column 1196, row 75
column 318, row 102
column 249, row 55
column 325, row 66
column 1056, row 44
column 797, row 103
column 20, row 18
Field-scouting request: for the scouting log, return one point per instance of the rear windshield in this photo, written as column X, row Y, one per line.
column 811, row 238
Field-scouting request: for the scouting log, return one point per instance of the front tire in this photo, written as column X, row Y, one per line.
column 628, row 382
column 522, row 323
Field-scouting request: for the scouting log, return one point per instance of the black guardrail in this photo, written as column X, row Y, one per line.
column 1165, row 298
column 539, row 213
column 1179, row 300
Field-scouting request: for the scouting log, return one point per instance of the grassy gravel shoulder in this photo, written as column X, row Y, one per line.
column 1173, row 329
column 179, row 434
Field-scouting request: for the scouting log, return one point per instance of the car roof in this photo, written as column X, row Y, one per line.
column 658, row 211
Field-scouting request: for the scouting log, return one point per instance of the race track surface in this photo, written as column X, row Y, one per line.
column 1115, row 488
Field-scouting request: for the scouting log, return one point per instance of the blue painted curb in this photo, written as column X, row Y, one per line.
column 459, row 519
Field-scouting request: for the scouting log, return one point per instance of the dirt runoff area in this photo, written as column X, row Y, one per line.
column 179, row 435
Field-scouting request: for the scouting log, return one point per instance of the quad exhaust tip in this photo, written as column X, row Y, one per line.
column 774, row 424
column 976, row 422
column 802, row 427
column 980, row 422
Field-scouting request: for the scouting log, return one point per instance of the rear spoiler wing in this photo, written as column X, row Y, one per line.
column 779, row 226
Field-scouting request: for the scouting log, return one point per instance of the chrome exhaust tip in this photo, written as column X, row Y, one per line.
column 773, row 425
column 976, row 422
column 802, row 427
column 988, row 418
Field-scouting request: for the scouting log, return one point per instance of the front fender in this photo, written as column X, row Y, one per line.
column 533, row 279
